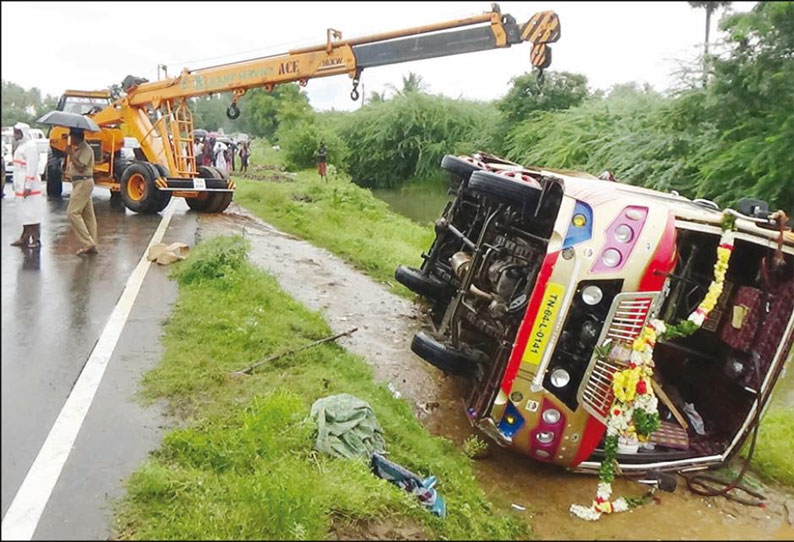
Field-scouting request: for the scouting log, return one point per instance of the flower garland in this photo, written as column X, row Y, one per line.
column 634, row 413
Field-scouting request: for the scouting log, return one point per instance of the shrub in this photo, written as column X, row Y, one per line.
column 213, row 259
column 405, row 137
column 300, row 143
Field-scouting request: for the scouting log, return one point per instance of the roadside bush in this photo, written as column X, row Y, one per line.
column 300, row 142
column 629, row 133
column 214, row 259
column 405, row 137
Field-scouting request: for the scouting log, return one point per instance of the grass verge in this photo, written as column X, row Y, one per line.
column 243, row 466
column 773, row 459
column 342, row 218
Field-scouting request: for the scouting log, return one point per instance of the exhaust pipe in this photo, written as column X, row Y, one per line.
column 460, row 262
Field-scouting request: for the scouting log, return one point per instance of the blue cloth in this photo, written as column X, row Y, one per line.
column 423, row 488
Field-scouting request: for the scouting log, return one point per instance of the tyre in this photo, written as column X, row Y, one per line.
column 419, row 283
column 461, row 167
column 138, row 191
column 163, row 196
column 200, row 203
column 220, row 200
column 163, row 199
column 210, row 202
column 506, row 189
column 54, row 176
column 442, row 356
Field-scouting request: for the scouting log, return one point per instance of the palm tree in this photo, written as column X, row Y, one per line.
column 710, row 7
column 375, row 96
column 412, row 83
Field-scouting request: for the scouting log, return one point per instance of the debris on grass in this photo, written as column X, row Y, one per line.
column 475, row 447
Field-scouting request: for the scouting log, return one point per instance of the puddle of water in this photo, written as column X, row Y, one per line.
column 423, row 206
column 386, row 325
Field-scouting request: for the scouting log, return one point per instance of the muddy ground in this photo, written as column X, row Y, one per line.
column 386, row 323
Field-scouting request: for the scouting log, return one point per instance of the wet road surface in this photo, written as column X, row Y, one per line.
column 54, row 308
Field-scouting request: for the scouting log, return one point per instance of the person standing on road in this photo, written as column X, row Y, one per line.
column 80, row 170
column 198, row 147
column 27, row 187
column 244, row 157
column 232, row 152
column 228, row 154
column 220, row 159
column 207, row 158
column 322, row 158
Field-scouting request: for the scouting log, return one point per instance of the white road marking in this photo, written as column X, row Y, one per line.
column 23, row 515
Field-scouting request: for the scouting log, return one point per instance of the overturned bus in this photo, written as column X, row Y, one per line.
column 534, row 270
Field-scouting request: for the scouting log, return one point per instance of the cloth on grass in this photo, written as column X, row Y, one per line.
column 423, row 488
column 346, row 427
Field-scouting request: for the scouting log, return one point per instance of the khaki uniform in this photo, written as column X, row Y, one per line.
column 80, row 170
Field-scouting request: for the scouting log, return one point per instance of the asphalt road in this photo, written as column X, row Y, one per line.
column 54, row 308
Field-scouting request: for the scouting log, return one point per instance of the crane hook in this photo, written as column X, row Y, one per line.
column 233, row 111
column 354, row 95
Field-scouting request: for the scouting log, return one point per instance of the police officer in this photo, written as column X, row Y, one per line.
column 80, row 171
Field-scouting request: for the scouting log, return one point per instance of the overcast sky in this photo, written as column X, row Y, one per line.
column 91, row 45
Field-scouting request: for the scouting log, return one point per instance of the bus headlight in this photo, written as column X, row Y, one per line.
column 624, row 233
column 592, row 295
column 560, row 378
column 551, row 416
column 611, row 257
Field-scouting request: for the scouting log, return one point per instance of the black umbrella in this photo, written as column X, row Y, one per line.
column 198, row 132
column 70, row 120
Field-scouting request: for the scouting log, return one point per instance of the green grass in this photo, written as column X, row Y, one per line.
column 242, row 466
column 773, row 459
column 341, row 217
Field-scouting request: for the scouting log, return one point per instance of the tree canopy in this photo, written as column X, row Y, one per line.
column 21, row 105
column 559, row 90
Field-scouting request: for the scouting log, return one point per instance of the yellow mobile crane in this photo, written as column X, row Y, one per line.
column 156, row 114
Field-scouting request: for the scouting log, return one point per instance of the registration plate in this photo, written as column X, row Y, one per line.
column 199, row 184
column 544, row 324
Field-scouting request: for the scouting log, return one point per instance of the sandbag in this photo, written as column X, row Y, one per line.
column 167, row 254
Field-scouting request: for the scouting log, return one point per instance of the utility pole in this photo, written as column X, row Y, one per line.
column 363, row 95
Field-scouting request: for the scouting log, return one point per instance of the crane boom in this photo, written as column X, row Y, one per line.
column 491, row 30
column 166, row 143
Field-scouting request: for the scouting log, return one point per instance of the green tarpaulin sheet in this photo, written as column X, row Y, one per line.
column 346, row 427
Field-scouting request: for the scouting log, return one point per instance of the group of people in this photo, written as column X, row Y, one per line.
column 210, row 152
column 27, row 189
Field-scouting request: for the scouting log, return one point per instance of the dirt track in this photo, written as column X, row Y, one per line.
column 386, row 325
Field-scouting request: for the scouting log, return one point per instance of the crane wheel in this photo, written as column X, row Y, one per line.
column 210, row 202
column 138, row 191
column 221, row 200
column 163, row 196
